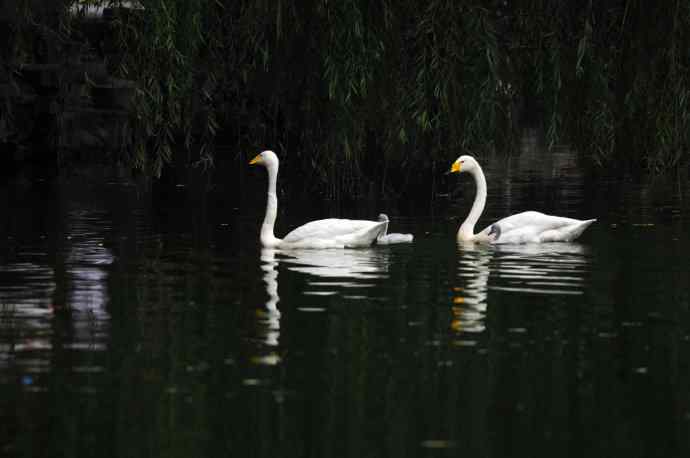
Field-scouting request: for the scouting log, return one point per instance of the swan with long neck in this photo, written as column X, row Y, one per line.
column 525, row 227
column 324, row 233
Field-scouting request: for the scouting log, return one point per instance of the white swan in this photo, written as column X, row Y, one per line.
column 526, row 227
column 392, row 238
column 324, row 233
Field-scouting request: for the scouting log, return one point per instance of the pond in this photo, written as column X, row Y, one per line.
column 150, row 323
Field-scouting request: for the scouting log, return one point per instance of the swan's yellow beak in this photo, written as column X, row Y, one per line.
column 256, row 160
column 455, row 168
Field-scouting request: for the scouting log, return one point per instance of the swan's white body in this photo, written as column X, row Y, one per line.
column 525, row 227
column 393, row 238
column 324, row 233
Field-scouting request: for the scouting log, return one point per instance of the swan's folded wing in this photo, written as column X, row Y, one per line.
column 534, row 226
column 536, row 220
column 331, row 228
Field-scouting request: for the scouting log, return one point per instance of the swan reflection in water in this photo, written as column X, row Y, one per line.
column 271, row 315
column 546, row 268
column 268, row 317
column 470, row 299
column 329, row 272
column 539, row 268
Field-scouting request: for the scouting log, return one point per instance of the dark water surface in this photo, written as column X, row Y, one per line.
column 149, row 324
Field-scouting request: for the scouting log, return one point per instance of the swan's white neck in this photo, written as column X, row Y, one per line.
column 268, row 239
column 466, row 231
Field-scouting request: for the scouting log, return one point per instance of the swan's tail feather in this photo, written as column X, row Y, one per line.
column 576, row 230
column 367, row 236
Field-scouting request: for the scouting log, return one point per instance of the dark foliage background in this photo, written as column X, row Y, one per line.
column 358, row 92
